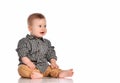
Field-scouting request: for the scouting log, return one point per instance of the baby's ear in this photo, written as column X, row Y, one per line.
column 30, row 28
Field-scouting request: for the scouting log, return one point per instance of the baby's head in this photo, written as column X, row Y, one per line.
column 37, row 25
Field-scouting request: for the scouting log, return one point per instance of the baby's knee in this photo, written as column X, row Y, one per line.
column 24, row 71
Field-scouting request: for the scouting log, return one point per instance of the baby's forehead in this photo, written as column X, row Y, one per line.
column 39, row 18
column 39, row 21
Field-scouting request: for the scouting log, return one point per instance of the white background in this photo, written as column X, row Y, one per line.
column 85, row 33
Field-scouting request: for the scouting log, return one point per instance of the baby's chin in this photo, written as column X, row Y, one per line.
column 40, row 35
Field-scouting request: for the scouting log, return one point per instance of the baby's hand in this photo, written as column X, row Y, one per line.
column 31, row 65
column 28, row 62
column 53, row 63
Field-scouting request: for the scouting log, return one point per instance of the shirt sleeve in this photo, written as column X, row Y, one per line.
column 51, row 52
column 22, row 48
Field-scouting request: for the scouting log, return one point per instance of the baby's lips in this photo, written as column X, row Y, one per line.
column 41, row 32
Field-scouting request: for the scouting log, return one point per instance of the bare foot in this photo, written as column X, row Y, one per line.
column 66, row 73
column 36, row 75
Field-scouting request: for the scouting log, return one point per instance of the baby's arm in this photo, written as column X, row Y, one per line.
column 28, row 62
column 23, row 50
column 51, row 55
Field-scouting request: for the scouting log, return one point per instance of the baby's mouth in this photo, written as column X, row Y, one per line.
column 42, row 32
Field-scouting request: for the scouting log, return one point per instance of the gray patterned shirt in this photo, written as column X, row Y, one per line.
column 38, row 50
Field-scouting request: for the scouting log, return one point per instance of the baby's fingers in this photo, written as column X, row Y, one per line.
column 52, row 66
column 56, row 66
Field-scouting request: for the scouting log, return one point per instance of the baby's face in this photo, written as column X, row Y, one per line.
column 38, row 27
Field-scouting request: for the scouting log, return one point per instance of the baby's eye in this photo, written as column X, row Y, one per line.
column 45, row 26
column 40, row 26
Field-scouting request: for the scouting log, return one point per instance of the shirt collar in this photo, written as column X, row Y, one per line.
column 33, row 37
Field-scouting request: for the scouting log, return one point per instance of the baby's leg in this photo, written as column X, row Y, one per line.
column 66, row 73
column 26, row 72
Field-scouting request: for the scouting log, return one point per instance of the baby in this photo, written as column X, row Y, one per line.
column 36, row 55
